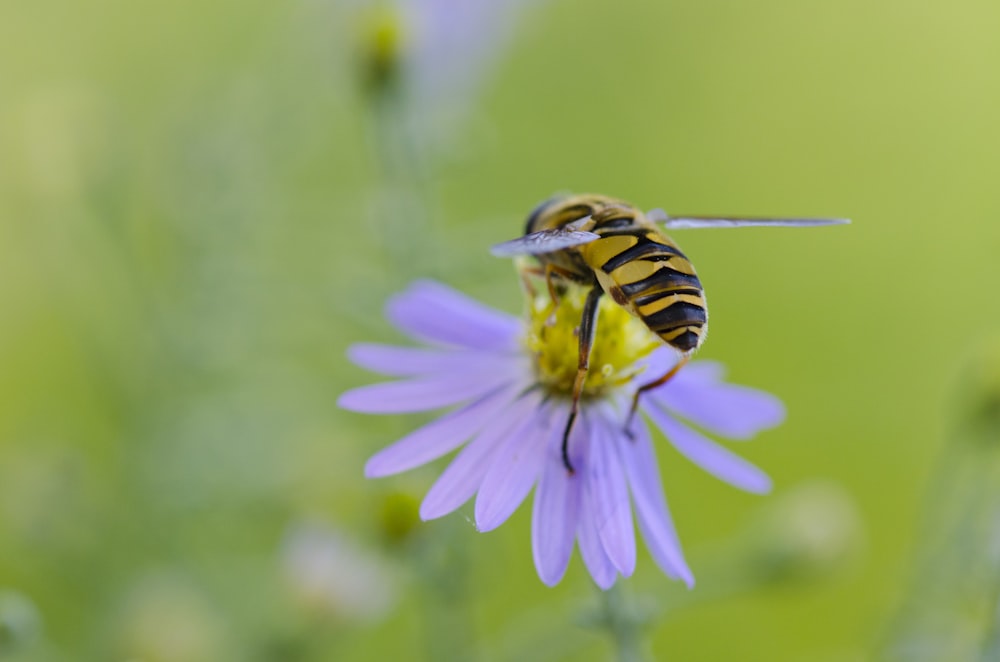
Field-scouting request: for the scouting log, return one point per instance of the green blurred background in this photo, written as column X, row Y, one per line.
column 195, row 223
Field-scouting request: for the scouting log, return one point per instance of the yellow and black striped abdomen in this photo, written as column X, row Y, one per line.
column 645, row 272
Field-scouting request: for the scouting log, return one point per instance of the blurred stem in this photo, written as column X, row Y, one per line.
column 991, row 645
column 399, row 157
column 404, row 205
column 442, row 569
column 622, row 622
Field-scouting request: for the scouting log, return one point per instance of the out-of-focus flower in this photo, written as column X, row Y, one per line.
column 511, row 382
column 812, row 530
column 20, row 622
column 329, row 573
column 434, row 55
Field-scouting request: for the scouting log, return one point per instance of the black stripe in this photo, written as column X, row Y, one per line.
column 628, row 230
column 686, row 341
column 615, row 223
column 645, row 247
column 664, row 257
column 656, row 296
column 664, row 279
column 680, row 313
column 574, row 213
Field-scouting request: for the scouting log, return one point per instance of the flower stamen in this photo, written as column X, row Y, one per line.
column 620, row 341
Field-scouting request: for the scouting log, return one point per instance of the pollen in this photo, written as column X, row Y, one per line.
column 620, row 341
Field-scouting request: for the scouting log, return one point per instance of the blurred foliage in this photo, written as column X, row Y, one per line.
column 196, row 219
column 951, row 610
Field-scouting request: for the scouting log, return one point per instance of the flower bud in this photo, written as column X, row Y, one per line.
column 399, row 516
column 382, row 52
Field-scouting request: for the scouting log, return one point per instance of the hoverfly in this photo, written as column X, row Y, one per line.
column 614, row 248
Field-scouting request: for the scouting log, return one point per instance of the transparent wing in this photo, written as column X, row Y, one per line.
column 693, row 222
column 546, row 241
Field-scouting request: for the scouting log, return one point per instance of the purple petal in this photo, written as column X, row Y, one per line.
column 421, row 394
column 663, row 359
column 591, row 549
column 730, row 410
column 657, row 363
column 440, row 436
column 454, row 49
column 708, row 455
column 465, row 473
column 434, row 313
column 514, row 469
column 702, row 371
column 612, row 511
column 407, row 361
column 557, row 505
column 655, row 522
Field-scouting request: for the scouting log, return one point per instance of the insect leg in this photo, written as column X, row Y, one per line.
column 551, row 271
column 649, row 387
column 525, row 272
column 588, row 322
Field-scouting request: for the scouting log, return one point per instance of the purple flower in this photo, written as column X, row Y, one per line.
column 440, row 53
column 507, row 381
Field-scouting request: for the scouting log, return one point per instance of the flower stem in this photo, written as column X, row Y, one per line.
column 623, row 623
column 441, row 565
column 405, row 207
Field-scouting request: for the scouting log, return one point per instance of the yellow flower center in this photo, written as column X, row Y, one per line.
column 620, row 340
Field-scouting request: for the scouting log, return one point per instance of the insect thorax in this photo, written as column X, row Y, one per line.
column 562, row 210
